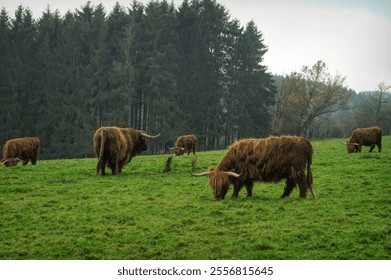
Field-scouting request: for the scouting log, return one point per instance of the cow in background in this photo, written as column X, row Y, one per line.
column 185, row 143
column 370, row 136
column 116, row 147
column 20, row 150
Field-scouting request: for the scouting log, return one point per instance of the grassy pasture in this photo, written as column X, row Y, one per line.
column 60, row 209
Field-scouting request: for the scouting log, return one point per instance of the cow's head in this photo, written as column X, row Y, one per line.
column 352, row 147
column 140, row 144
column 178, row 151
column 219, row 181
column 11, row 162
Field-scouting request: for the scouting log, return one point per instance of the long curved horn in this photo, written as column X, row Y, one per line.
column 230, row 173
column 350, row 143
column 10, row 160
column 149, row 136
column 206, row 173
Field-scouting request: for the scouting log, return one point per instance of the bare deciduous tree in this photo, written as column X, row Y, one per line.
column 381, row 100
column 376, row 110
column 305, row 96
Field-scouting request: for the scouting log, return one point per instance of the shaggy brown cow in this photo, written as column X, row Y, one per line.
column 20, row 150
column 185, row 143
column 370, row 136
column 117, row 146
column 268, row 160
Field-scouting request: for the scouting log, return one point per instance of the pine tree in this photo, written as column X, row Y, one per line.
column 21, row 75
column 5, row 88
column 161, row 70
column 255, row 84
column 118, row 66
column 48, row 80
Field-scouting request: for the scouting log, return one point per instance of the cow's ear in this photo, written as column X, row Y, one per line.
column 211, row 169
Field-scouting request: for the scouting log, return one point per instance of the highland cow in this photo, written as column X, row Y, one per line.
column 267, row 160
column 185, row 143
column 20, row 150
column 370, row 136
column 115, row 147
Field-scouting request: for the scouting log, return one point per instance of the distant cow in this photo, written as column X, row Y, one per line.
column 267, row 160
column 185, row 143
column 117, row 146
column 370, row 136
column 20, row 150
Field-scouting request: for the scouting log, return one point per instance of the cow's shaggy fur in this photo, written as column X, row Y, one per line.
column 21, row 150
column 267, row 160
column 370, row 136
column 116, row 147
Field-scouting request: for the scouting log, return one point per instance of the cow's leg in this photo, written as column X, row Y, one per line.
column 100, row 167
column 289, row 185
column 249, row 187
column 237, row 187
column 372, row 147
column 379, row 147
column 34, row 161
column 303, row 187
column 115, row 168
column 120, row 166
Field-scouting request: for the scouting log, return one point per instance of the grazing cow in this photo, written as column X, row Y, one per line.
column 20, row 150
column 370, row 136
column 267, row 160
column 117, row 146
column 185, row 143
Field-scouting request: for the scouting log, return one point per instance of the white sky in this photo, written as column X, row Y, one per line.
column 353, row 37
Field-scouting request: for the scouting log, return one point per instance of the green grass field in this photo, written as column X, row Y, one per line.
column 60, row 209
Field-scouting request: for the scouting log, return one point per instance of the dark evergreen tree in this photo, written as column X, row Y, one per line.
column 6, row 114
column 161, row 71
column 46, row 65
column 203, row 26
column 21, row 75
column 68, row 101
column 118, row 63
column 254, row 86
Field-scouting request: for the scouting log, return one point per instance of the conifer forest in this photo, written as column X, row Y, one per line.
column 164, row 69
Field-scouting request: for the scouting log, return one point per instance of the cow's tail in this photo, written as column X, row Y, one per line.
column 310, row 180
column 101, row 163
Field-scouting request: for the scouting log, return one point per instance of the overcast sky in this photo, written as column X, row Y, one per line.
column 353, row 37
